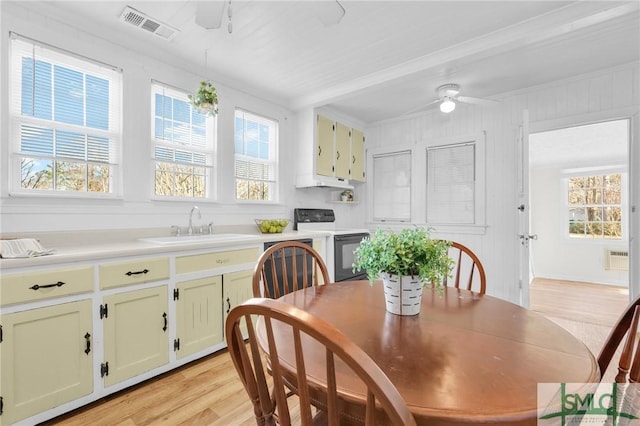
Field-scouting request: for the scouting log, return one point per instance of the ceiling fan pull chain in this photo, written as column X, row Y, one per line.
column 230, row 26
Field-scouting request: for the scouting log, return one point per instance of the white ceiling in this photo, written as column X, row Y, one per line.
column 384, row 58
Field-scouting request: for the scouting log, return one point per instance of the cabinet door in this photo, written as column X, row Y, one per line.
column 199, row 315
column 343, row 160
column 238, row 287
column 324, row 146
column 136, row 334
column 357, row 155
column 46, row 358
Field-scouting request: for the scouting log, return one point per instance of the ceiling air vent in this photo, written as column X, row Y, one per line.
column 140, row 20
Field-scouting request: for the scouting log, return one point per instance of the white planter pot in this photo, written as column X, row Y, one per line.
column 402, row 294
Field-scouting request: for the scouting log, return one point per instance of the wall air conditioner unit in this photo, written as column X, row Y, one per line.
column 142, row 21
column 616, row 260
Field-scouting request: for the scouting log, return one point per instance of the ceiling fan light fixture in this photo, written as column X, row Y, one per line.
column 447, row 105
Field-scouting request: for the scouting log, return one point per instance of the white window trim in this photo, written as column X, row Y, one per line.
column 275, row 154
column 419, row 178
column 211, row 195
column 479, row 226
column 374, row 152
column 15, row 119
column 590, row 171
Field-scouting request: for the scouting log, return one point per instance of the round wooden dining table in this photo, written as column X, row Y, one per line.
column 465, row 358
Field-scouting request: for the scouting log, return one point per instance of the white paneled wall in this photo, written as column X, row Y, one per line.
column 136, row 209
column 611, row 93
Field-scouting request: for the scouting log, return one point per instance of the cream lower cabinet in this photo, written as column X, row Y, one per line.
column 136, row 333
column 198, row 315
column 46, row 357
column 238, row 287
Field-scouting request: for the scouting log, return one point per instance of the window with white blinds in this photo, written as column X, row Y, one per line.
column 392, row 183
column 65, row 115
column 256, row 164
column 451, row 184
column 184, row 141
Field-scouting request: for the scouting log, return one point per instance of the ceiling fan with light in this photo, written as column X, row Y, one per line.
column 448, row 96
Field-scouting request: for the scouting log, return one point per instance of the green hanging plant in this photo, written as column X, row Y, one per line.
column 205, row 100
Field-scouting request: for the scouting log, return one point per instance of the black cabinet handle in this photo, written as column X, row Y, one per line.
column 337, row 155
column 144, row 271
column 353, row 161
column 164, row 316
column 87, row 338
column 38, row 287
column 228, row 305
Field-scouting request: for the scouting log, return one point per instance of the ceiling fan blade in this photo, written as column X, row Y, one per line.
column 477, row 101
column 329, row 12
column 422, row 107
column 209, row 13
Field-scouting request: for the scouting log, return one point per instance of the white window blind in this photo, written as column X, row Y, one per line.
column 451, row 184
column 256, row 163
column 183, row 144
column 392, row 183
column 65, row 113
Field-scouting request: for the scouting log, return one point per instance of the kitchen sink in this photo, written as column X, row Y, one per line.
column 202, row 238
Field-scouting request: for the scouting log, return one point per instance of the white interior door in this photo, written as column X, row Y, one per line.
column 522, row 209
column 634, row 207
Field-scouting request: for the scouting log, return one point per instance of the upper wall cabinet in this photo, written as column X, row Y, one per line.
column 357, row 156
column 338, row 153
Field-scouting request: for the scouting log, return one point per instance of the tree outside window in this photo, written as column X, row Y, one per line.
column 595, row 206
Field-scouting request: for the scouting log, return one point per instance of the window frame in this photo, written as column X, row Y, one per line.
column 274, row 158
column 624, row 211
column 478, row 140
column 375, row 191
column 67, row 60
column 209, row 151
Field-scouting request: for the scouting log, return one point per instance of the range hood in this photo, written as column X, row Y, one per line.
column 310, row 181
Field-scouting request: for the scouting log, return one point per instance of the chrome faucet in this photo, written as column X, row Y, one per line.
column 190, row 228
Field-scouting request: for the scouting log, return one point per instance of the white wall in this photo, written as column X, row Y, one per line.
column 611, row 93
column 553, row 254
column 136, row 209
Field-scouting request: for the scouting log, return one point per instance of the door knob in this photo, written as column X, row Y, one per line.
column 528, row 237
column 521, row 207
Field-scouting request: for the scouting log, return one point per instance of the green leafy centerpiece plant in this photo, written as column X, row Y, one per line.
column 205, row 100
column 406, row 261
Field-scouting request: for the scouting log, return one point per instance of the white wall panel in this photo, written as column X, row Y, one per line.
column 575, row 100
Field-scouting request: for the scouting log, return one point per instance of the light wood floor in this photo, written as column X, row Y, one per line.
column 208, row 391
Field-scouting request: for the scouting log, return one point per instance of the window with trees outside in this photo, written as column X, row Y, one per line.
column 65, row 121
column 256, row 164
column 184, row 141
column 595, row 206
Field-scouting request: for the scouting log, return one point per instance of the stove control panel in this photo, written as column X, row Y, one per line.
column 312, row 216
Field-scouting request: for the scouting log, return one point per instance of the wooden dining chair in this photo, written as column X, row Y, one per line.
column 382, row 398
column 628, row 364
column 468, row 269
column 288, row 266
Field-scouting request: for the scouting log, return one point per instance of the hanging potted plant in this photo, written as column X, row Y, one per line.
column 406, row 261
column 205, row 100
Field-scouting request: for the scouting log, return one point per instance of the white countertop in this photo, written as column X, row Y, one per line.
column 78, row 246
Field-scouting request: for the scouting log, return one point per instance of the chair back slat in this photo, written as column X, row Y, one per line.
column 627, row 350
column 288, row 266
column 382, row 400
column 634, row 374
column 468, row 265
column 627, row 325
